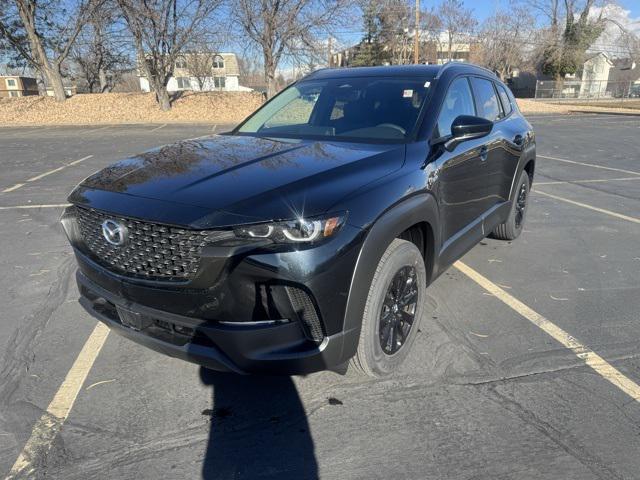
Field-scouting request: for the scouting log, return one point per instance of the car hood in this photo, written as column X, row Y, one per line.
column 231, row 179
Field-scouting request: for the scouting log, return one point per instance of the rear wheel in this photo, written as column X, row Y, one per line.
column 394, row 308
column 512, row 228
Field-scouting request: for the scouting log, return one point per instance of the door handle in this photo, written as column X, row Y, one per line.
column 483, row 153
column 518, row 140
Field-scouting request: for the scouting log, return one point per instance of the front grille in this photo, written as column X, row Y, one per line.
column 151, row 251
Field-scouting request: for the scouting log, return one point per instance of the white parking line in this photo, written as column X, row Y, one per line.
column 592, row 359
column 631, row 172
column 11, row 189
column 590, row 207
column 24, row 207
column 47, row 427
column 97, row 129
column 600, row 180
column 42, row 175
column 158, row 128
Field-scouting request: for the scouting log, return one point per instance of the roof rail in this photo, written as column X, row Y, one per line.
column 450, row 64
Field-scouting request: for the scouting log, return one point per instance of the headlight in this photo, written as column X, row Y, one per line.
column 300, row 230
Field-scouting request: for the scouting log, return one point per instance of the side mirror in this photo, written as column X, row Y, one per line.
column 467, row 127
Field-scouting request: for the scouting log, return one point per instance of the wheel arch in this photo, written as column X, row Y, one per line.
column 417, row 212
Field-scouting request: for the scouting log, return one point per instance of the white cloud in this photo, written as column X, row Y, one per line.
column 611, row 41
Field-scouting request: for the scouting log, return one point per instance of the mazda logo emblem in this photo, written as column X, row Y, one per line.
column 113, row 232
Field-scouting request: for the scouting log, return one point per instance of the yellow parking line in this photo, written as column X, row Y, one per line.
column 600, row 180
column 24, row 207
column 602, row 167
column 42, row 175
column 592, row 359
column 590, row 207
column 46, row 429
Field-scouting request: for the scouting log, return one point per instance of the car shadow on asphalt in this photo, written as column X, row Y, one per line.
column 258, row 429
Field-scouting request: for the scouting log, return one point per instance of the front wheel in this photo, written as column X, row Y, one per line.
column 393, row 311
column 512, row 228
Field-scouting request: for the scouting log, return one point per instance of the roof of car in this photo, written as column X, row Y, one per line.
column 397, row 70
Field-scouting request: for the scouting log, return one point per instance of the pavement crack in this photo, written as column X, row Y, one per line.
column 566, row 442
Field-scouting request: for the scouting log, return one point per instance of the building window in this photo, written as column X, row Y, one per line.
column 11, row 82
column 14, row 94
column 219, row 82
column 181, row 63
column 218, row 62
column 184, row 83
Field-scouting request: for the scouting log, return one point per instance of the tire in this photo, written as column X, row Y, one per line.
column 401, row 260
column 512, row 228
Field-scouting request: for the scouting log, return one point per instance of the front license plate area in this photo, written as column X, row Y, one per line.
column 133, row 320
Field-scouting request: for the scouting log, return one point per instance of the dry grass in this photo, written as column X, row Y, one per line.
column 534, row 106
column 112, row 108
column 211, row 107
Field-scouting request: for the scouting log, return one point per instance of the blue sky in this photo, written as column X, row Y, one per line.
column 484, row 8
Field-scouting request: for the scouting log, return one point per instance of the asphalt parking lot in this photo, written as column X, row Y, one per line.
column 527, row 365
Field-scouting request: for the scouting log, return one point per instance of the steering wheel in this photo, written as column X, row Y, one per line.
column 394, row 126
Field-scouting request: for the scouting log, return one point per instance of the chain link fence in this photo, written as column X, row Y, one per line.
column 588, row 92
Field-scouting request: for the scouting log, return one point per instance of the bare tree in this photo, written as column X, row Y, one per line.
column 200, row 66
column 251, row 73
column 161, row 29
column 505, row 39
column 286, row 27
column 429, row 31
column 99, row 61
column 457, row 21
column 43, row 33
column 565, row 45
column 396, row 19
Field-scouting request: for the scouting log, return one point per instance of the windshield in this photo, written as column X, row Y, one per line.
column 359, row 109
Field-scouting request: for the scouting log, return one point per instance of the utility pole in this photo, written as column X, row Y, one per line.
column 329, row 46
column 416, row 37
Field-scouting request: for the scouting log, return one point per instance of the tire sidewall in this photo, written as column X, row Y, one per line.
column 404, row 254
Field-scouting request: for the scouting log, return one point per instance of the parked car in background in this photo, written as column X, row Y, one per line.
column 308, row 235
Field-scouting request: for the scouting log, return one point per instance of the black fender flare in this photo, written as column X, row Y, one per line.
column 415, row 209
column 528, row 154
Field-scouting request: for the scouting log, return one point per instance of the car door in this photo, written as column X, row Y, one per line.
column 461, row 183
column 496, row 156
column 514, row 132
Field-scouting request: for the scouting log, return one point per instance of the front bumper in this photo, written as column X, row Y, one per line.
column 269, row 349
column 247, row 311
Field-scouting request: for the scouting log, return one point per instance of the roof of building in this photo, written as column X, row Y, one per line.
column 230, row 60
column 594, row 55
column 230, row 63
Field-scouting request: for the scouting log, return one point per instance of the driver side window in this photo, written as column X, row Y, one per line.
column 458, row 101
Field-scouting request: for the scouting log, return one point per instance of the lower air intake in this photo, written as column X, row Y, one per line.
column 307, row 313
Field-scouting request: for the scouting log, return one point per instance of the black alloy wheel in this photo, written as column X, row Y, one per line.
column 521, row 204
column 398, row 310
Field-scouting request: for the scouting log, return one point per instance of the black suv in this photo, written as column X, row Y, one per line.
column 308, row 235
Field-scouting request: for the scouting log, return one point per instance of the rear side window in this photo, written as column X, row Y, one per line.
column 486, row 99
column 506, row 103
column 458, row 101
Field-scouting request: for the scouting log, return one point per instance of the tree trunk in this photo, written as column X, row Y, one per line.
column 270, row 75
column 105, row 85
column 162, row 96
column 42, row 87
column 156, row 85
column 51, row 72
column 55, row 82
